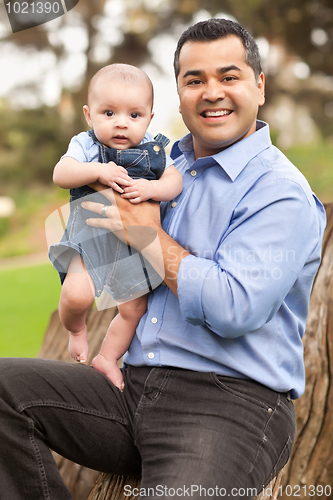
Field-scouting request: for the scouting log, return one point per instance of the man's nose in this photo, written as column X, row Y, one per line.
column 213, row 91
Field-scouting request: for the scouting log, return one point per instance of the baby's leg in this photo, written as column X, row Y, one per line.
column 77, row 295
column 118, row 339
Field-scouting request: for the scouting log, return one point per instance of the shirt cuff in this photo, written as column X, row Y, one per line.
column 191, row 276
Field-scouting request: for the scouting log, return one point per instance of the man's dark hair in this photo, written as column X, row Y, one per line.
column 213, row 29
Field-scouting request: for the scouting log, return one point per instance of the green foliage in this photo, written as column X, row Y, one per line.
column 31, row 143
column 4, row 226
column 315, row 162
column 27, row 298
column 24, row 232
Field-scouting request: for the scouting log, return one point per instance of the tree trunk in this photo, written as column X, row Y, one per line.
column 309, row 472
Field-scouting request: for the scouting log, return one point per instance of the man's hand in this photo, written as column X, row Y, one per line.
column 142, row 221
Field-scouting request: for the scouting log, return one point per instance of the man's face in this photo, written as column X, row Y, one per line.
column 219, row 96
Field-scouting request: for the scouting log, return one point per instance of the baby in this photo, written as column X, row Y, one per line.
column 119, row 110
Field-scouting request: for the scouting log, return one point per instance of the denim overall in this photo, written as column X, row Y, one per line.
column 113, row 266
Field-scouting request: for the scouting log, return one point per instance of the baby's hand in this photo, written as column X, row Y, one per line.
column 114, row 176
column 141, row 190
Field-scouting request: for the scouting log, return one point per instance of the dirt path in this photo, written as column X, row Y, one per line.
column 24, row 261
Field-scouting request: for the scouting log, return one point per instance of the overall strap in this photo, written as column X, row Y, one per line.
column 93, row 136
column 101, row 157
column 162, row 139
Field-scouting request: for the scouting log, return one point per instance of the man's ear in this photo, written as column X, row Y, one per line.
column 87, row 116
column 261, row 89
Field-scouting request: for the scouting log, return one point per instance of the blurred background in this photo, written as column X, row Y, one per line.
column 45, row 72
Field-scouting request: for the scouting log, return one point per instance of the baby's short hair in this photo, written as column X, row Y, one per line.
column 122, row 72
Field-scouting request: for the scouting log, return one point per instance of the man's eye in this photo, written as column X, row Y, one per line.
column 194, row 82
column 109, row 113
column 135, row 115
column 229, row 79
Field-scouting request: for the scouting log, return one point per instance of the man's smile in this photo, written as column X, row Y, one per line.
column 215, row 113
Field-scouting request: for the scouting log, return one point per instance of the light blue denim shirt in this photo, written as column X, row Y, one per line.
column 254, row 229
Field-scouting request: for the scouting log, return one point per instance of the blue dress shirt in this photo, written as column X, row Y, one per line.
column 254, row 229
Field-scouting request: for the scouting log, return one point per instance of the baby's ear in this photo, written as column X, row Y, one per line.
column 87, row 116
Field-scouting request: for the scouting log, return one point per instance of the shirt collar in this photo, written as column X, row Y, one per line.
column 234, row 158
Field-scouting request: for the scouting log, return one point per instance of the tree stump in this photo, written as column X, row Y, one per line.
column 309, row 472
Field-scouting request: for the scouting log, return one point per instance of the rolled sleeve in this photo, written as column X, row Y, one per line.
column 191, row 280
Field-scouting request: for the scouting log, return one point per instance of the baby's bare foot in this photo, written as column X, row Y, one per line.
column 78, row 345
column 110, row 369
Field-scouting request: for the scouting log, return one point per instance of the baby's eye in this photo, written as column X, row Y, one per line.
column 109, row 113
column 135, row 115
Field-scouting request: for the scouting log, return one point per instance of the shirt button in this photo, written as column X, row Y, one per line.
column 156, row 148
column 154, row 320
column 174, row 204
column 193, row 173
column 151, row 355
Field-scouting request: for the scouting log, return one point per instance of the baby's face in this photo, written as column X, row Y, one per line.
column 119, row 112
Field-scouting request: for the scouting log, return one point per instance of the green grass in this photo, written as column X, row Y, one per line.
column 27, row 298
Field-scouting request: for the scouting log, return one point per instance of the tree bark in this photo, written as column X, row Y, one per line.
column 309, row 472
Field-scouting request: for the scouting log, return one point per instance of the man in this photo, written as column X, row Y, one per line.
column 206, row 409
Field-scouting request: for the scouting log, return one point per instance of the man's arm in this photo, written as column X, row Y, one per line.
column 172, row 256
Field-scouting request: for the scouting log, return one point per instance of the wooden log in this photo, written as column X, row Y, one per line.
column 309, row 472
column 55, row 343
column 111, row 487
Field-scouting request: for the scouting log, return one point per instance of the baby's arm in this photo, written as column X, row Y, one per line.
column 70, row 173
column 166, row 188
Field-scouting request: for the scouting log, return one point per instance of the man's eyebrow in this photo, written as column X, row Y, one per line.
column 223, row 69
column 193, row 72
